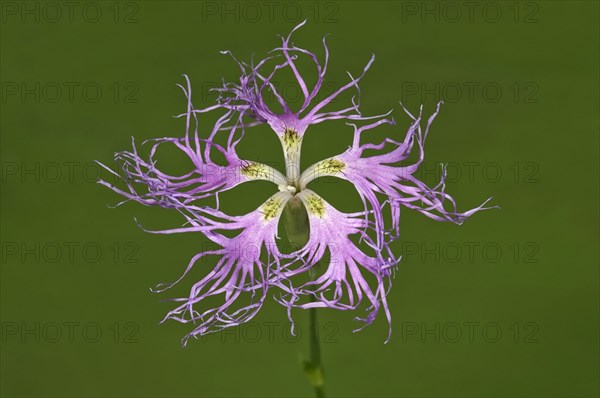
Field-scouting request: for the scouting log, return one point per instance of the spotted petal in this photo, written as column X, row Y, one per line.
column 342, row 285
column 246, row 263
column 206, row 178
column 248, row 97
column 381, row 174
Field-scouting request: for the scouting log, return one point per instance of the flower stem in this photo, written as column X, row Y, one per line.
column 298, row 232
column 314, row 367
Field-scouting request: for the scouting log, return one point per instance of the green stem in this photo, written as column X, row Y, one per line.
column 315, row 369
column 297, row 229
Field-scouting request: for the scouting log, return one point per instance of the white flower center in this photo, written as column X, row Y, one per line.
column 287, row 188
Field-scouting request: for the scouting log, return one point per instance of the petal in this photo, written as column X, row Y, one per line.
column 248, row 97
column 249, row 93
column 206, row 178
column 342, row 285
column 239, row 272
column 378, row 174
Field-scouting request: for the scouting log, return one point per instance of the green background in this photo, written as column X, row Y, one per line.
column 541, row 134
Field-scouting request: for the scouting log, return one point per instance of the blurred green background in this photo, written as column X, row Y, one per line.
column 505, row 305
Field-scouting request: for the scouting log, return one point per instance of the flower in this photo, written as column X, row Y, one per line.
column 249, row 260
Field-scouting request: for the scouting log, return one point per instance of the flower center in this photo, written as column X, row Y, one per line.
column 292, row 188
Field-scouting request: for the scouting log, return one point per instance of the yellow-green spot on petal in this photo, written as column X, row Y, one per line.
column 255, row 170
column 315, row 205
column 270, row 209
column 291, row 139
column 330, row 166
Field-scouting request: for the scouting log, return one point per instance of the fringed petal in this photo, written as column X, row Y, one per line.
column 380, row 174
column 246, row 263
column 342, row 285
column 248, row 97
column 147, row 184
